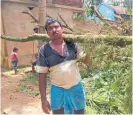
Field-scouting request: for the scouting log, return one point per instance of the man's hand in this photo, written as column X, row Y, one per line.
column 87, row 60
column 46, row 107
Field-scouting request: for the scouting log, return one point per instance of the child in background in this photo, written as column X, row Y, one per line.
column 14, row 59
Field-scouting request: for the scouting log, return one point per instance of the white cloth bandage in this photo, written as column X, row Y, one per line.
column 65, row 75
column 41, row 69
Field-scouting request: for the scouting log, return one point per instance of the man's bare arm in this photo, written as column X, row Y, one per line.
column 42, row 88
column 81, row 55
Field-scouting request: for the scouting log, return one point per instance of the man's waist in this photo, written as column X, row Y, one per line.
column 65, row 82
column 66, row 86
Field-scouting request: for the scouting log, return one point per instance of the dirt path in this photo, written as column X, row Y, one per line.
column 16, row 101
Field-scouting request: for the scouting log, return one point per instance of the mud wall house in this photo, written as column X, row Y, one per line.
column 17, row 24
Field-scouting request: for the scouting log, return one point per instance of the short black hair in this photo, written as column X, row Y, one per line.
column 15, row 49
column 35, row 28
column 50, row 21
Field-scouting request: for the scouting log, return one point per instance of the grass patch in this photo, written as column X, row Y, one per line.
column 30, row 85
column 32, row 78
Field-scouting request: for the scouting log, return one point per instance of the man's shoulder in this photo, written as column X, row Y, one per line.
column 44, row 46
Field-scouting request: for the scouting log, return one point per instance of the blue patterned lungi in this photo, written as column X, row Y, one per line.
column 70, row 99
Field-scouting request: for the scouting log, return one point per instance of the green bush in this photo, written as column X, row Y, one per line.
column 110, row 81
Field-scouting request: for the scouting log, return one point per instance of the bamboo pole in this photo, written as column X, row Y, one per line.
column 42, row 19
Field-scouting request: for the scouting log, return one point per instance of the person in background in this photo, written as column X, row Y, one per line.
column 14, row 59
column 35, row 30
column 59, row 57
column 34, row 63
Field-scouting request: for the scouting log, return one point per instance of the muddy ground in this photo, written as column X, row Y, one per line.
column 19, row 95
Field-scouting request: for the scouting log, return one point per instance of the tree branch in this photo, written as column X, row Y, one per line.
column 126, row 40
column 29, row 13
column 66, row 25
column 120, row 27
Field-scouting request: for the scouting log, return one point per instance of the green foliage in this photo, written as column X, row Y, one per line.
column 108, row 85
column 90, row 11
column 31, row 78
column 129, row 11
column 78, row 16
column 28, row 85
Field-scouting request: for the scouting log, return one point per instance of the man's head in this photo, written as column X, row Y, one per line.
column 54, row 28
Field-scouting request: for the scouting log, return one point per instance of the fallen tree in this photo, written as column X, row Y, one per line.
column 115, row 40
column 120, row 26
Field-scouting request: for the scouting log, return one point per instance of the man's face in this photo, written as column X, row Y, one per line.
column 54, row 31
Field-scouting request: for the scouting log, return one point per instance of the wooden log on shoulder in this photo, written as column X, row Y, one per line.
column 127, row 40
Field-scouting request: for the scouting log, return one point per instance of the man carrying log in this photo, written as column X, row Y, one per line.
column 59, row 57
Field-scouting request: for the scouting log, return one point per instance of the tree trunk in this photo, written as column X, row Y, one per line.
column 127, row 40
column 42, row 19
column 4, row 54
